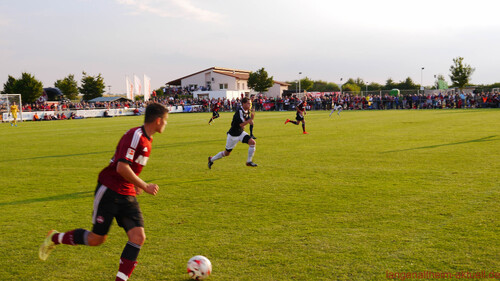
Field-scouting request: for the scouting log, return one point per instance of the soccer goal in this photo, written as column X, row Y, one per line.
column 6, row 101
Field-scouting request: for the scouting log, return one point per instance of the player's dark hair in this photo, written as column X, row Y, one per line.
column 244, row 100
column 154, row 111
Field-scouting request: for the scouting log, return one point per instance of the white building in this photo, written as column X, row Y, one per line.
column 217, row 82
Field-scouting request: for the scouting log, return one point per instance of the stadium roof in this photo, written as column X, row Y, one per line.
column 236, row 73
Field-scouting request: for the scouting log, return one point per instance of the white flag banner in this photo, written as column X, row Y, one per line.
column 147, row 87
column 130, row 89
column 138, row 85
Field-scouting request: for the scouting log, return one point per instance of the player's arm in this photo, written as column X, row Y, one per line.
column 244, row 121
column 124, row 170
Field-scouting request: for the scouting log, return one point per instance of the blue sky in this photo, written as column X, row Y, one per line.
column 325, row 40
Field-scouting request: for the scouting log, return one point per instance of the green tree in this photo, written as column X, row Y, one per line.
column 9, row 86
column 68, row 87
column 460, row 73
column 28, row 86
column 92, row 86
column 373, row 86
column 351, row 87
column 407, row 84
column 259, row 81
column 305, row 84
column 159, row 92
column 322, row 86
column 360, row 82
column 389, row 84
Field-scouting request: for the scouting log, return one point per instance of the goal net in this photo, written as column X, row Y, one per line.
column 6, row 101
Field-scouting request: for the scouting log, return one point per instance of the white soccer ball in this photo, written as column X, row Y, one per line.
column 199, row 267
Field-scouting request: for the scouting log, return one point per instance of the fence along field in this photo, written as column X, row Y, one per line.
column 363, row 196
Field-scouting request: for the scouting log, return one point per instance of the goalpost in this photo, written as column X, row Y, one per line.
column 6, row 100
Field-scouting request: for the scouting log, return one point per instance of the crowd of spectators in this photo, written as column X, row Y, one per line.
column 351, row 101
column 315, row 101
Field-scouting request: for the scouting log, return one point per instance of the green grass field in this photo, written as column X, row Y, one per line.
column 363, row 194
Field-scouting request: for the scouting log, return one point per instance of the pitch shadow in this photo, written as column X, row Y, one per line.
column 485, row 139
column 75, row 195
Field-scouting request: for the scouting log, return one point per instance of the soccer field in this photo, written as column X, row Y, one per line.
column 362, row 196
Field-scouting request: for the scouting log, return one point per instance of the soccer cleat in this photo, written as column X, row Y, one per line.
column 305, row 133
column 287, row 120
column 253, row 137
column 251, row 164
column 47, row 246
column 210, row 163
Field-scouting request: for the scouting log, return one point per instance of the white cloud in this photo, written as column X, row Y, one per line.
column 172, row 9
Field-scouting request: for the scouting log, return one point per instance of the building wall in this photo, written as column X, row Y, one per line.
column 235, row 87
column 219, row 94
column 198, row 79
column 223, row 79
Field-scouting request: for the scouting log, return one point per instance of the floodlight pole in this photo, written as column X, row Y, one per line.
column 422, row 79
column 299, row 80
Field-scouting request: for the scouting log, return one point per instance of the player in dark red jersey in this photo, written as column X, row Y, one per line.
column 215, row 112
column 301, row 112
column 115, row 195
column 237, row 134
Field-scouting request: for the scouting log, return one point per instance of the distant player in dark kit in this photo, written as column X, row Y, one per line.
column 301, row 112
column 215, row 112
column 237, row 134
column 115, row 195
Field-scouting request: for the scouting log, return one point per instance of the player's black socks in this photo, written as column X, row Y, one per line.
column 131, row 251
column 294, row 122
column 303, row 127
column 251, row 130
column 80, row 236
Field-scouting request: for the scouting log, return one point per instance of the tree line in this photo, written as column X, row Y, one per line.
column 460, row 74
column 31, row 89
column 93, row 86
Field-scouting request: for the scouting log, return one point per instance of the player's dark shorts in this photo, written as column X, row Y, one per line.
column 215, row 114
column 109, row 204
column 299, row 117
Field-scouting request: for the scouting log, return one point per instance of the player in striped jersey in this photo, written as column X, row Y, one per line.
column 236, row 134
column 337, row 107
column 115, row 195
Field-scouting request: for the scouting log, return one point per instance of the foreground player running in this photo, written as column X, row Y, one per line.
column 115, row 193
column 236, row 134
column 301, row 112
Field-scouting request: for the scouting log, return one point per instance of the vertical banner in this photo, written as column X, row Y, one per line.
column 147, row 87
column 138, row 86
column 130, row 89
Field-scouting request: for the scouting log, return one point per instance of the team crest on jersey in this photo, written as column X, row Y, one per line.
column 130, row 154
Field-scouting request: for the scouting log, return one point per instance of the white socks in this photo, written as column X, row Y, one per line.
column 251, row 152
column 218, row 156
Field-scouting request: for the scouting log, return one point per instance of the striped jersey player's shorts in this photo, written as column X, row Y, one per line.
column 232, row 141
column 109, row 204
